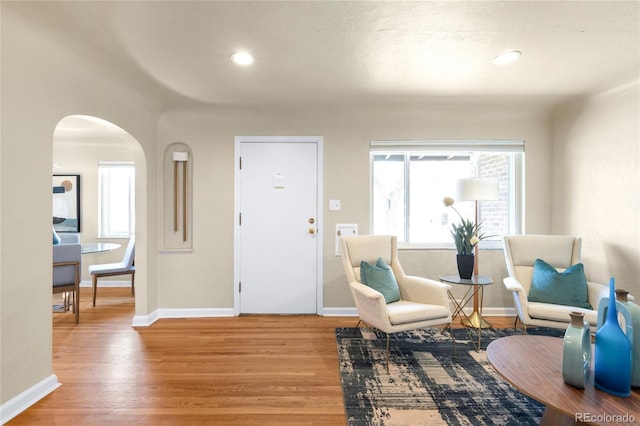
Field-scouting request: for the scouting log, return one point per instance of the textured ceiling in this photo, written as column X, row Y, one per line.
column 338, row 51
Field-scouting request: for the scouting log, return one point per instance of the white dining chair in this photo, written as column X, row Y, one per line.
column 126, row 267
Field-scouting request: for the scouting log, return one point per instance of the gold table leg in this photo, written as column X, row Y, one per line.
column 475, row 320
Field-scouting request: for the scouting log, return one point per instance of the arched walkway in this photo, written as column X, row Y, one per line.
column 80, row 144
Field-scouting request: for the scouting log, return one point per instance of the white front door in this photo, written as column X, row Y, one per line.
column 277, row 232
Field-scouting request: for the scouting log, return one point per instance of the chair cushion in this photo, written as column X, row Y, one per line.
column 109, row 268
column 551, row 312
column 560, row 288
column 380, row 277
column 403, row 312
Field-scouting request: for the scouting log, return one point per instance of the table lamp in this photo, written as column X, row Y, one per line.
column 476, row 189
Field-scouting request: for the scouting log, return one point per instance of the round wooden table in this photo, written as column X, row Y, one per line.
column 533, row 365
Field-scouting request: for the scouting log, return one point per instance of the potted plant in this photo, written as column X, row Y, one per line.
column 466, row 236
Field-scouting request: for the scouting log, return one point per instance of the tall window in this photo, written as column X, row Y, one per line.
column 411, row 178
column 116, row 199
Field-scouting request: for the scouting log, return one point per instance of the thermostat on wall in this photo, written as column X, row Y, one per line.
column 344, row 230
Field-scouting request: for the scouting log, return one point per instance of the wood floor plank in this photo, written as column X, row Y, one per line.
column 247, row 370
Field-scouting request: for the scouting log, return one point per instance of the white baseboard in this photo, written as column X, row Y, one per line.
column 339, row 312
column 498, row 312
column 26, row 399
column 107, row 283
column 147, row 320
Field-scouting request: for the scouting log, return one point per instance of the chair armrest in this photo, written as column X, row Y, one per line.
column 595, row 292
column 66, row 273
column 514, row 285
column 65, row 253
column 424, row 290
column 371, row 306
column 520, row 299
column 366, row 292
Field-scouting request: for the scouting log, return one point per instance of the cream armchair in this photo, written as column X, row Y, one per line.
column 561, row 252
column 423, row 302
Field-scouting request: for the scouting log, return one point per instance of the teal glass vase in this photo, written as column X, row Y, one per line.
column 622, row 297
column 576, row 351
column 612, row 358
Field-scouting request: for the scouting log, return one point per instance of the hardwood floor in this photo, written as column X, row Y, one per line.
column 248, row 370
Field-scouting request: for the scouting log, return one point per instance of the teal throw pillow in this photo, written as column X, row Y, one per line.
column 56, row 237
column 560, row 288
column 380, row 277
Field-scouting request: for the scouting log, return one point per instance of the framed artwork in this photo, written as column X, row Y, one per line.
column 66, row 203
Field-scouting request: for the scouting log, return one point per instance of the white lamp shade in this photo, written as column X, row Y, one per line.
column 477, row 189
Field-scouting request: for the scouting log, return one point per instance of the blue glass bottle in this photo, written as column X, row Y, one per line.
column 612, row 363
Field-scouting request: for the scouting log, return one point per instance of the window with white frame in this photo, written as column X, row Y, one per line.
column 116, row 199
column 410, row 179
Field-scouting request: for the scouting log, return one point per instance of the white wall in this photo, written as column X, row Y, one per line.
column 42, row 82
column 596, row 182
column 204, row 278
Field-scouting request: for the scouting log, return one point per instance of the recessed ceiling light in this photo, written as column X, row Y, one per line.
column 242, row 58
column 507, row 57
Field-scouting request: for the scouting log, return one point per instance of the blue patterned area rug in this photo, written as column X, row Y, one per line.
column 426, row 384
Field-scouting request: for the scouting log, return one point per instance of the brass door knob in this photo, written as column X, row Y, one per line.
column 312, row 231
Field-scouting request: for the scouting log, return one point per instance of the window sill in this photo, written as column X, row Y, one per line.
column 487, row 245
